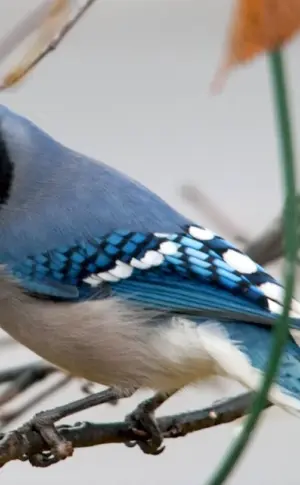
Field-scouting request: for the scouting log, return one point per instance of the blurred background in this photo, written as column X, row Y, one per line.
column 130, row 85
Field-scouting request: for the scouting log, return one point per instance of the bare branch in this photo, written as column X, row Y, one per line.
column 37, row 370
column 202, row 203
column 23, row 29
column 21, row 379
column 17, row 445
column 31, row 60
column 268, row 247
column 265, row 249
column 6, row 418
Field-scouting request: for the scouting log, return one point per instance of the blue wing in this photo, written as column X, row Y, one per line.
column 194, row 272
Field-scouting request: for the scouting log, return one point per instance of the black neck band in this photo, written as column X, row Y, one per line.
column 6, row 173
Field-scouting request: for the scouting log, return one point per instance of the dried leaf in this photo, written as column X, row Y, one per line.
column 258, row 26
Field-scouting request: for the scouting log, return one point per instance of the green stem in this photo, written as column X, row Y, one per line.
column 290, row 223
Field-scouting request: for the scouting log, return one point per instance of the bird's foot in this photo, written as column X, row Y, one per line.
column 58, row 447
column 43, row 423
column 144, row 426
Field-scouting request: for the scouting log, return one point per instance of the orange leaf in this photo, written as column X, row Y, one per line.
column 258, row 26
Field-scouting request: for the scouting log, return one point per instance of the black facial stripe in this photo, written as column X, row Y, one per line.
column 6, row 173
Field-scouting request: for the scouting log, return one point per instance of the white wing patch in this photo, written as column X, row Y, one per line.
column 93, row 281
column 275, row 295
column 106, row 276
column 121, row 270
column 201, row 234
column 240, row 262
column 152, row 258
column 168, row 248
column 236, row 260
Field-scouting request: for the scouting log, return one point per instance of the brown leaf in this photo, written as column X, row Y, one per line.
column 258, row 26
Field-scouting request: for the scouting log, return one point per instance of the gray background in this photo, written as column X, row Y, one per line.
column 130, row 86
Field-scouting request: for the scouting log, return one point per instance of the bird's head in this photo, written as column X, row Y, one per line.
column 28, row 156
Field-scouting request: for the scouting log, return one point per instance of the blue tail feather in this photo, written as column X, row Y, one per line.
column 256, row 341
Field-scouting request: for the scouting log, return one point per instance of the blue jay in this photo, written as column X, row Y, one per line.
column 105, row 280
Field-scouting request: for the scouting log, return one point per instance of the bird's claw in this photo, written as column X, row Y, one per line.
column 59, row 448
column 149, row 437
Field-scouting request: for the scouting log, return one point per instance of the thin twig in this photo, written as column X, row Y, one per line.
column 18, row 73
column 6, row 418
column 61, row 35
column 23, row 29
column 269, row 246
column 265, row 249
column 38, row 371
column 15, row 445
column 21, row 379
column 202, row 203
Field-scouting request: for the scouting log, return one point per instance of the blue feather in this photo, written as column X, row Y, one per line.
column 191, row 275
column 49, row 288
column 256, row 343
column 60, row 195
column 61, row 235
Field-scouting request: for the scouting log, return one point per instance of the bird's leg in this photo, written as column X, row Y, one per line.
column 43, row 423
column 143, row 422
